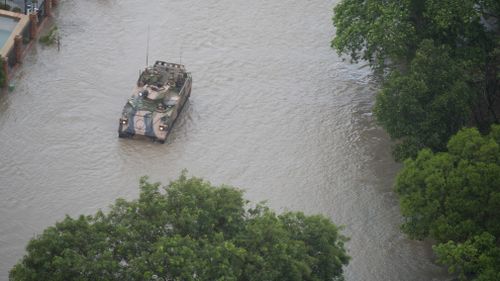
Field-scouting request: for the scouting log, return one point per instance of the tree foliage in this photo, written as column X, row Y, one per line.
column 188, row 230
column 372, row 30
column 428, row 104
column 388, row 32
column 440, row 61
column 436, row 54
column 454, row 198
column 477, row 258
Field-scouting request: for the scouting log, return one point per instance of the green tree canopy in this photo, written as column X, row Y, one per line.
column 454, row 198
column 388, row 32
column 189, row 230
column 478, row 258
column 428, row 104
column 441, row 59
column 374, row 31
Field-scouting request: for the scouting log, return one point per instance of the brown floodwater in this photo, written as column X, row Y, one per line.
column 273, row 110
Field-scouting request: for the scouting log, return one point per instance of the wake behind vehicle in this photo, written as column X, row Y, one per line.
column 158, row 98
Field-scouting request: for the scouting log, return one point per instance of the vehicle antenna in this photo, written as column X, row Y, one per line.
column 180, row 57
column 147, row 50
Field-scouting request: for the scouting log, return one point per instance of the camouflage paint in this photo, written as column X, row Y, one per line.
column 157, row 104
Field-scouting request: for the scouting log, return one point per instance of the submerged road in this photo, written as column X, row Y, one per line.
column 273, row 111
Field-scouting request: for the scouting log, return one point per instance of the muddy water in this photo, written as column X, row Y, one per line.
column 273, row 111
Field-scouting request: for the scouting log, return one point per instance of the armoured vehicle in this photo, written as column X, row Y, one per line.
column 156, row 101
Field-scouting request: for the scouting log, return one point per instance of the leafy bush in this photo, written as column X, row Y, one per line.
column 190, row 230
column 5, row 7
column 453, row 197
column 51, row 37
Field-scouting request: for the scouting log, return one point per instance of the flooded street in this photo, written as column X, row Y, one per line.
column 273, row 110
